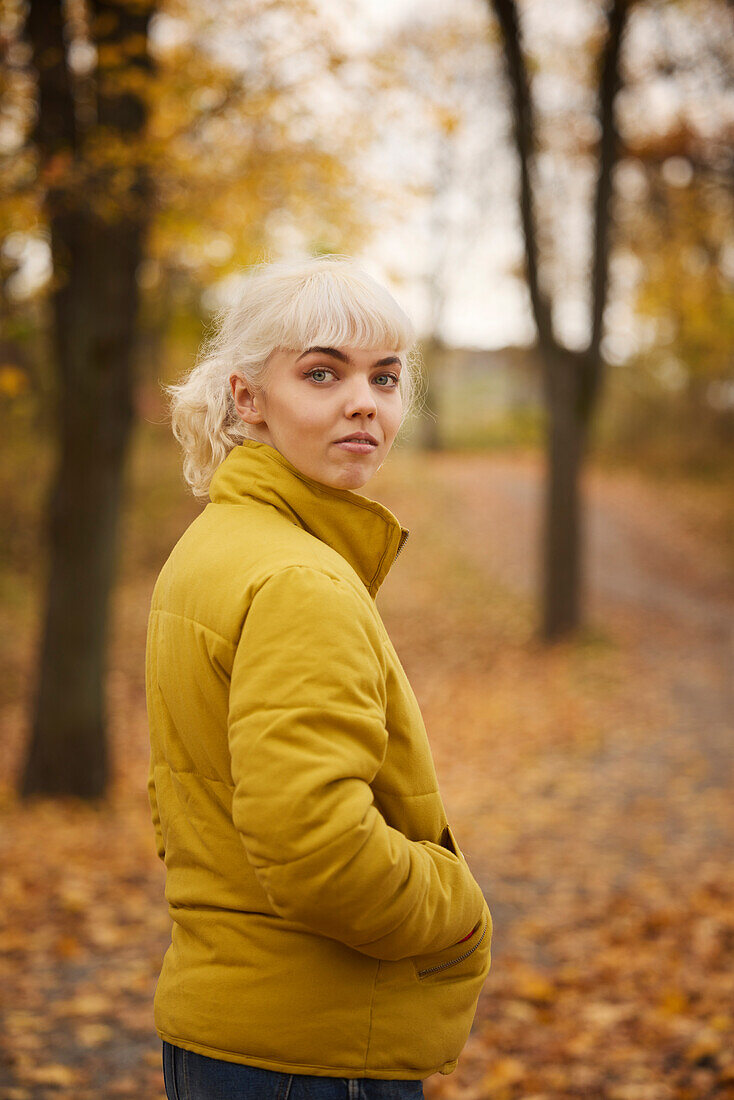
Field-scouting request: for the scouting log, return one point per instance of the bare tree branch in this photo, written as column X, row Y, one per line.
column 524, row 130
column 609, row 83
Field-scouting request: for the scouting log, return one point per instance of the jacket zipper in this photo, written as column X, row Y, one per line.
column 403, row 539
column 453, row 962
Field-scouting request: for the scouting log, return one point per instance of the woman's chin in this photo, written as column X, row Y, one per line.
column 352, row 476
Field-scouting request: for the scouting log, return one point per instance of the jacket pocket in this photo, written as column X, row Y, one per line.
column 448, row 841
column 467, row 956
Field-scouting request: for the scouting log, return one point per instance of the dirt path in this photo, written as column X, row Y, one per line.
column 647, row 575
column 638, row 553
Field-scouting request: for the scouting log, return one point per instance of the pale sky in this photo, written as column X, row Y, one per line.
column 483, row 305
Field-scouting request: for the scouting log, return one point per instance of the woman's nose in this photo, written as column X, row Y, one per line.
column 361, row 399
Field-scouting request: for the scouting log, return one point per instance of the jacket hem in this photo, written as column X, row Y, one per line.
column 300, row 1067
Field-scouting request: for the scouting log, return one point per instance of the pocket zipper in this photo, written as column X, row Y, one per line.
column 453, row 962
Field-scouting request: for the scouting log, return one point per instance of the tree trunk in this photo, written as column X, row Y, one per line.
column 565, row 441
column 97, row 234
column 572, row 380
column 94, row 316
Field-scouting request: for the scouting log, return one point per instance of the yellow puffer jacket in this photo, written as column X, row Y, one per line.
column 316, row 889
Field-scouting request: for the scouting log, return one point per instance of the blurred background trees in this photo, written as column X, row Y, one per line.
column 150, row 151
column 675, row 200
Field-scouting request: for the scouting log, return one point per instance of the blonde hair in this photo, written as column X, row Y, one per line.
column 323, row 301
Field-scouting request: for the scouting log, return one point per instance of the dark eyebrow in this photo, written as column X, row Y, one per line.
column 336, row 354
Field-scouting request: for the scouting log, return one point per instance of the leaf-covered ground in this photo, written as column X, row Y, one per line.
column 589, row 785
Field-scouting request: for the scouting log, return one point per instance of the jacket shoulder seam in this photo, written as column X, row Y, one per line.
column 195, row 622
column 195, row 773
column 317, row 570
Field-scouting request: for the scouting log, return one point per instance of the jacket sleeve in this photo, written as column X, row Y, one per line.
column 307, row 736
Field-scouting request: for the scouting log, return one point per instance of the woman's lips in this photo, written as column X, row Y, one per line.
column 356, row 446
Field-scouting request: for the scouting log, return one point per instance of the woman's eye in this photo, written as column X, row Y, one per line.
column 320, row 371
column 392, row 380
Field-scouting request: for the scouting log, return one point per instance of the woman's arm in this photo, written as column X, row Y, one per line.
column 307, row 736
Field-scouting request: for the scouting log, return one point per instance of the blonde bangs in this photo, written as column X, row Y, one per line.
column 348, row 312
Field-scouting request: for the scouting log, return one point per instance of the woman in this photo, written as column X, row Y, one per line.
column 329, row 939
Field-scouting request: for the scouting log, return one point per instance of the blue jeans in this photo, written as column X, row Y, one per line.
column 190, row 1076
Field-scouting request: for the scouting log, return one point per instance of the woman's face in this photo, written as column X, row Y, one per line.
column 312, row 400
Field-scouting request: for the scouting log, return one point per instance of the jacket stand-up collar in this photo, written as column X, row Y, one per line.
column 363, row 531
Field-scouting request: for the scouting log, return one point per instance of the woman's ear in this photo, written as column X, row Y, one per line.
column 245, row 401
